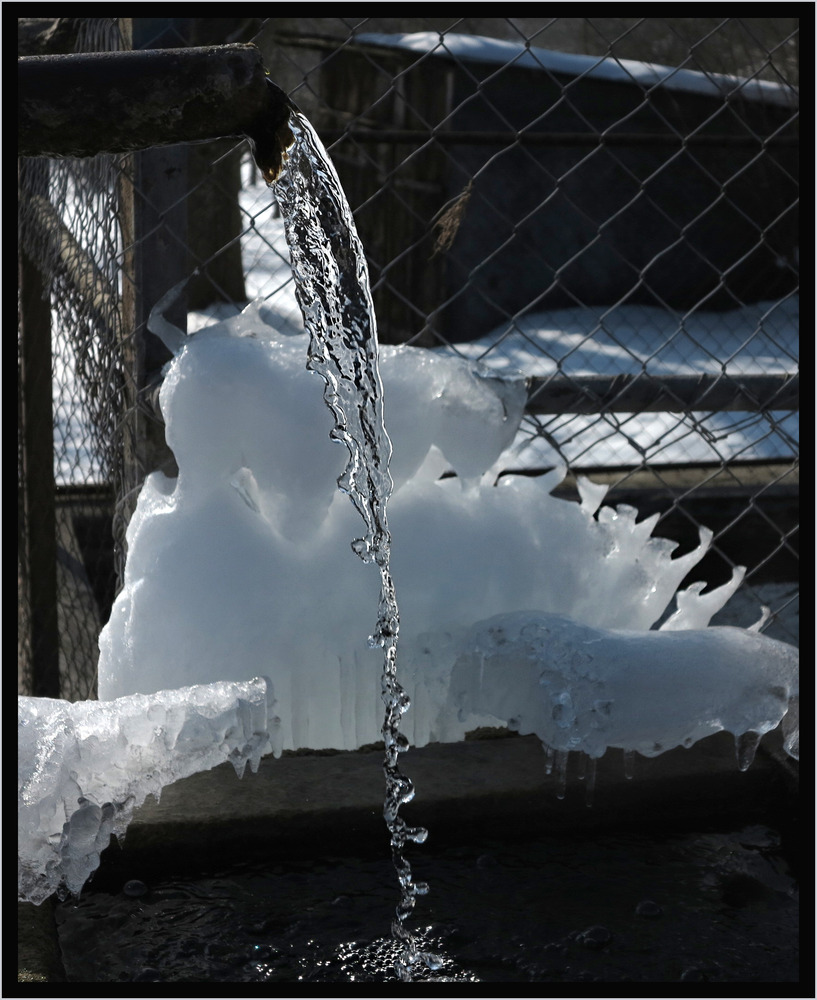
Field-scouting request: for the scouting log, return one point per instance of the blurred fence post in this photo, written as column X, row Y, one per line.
column 39, row 582
column 153, row 219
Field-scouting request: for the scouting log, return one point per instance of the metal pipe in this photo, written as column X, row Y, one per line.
column 114, row 102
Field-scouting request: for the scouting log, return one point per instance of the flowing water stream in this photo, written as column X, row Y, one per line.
column 332, row 288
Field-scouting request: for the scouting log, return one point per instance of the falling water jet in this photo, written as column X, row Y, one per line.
column 332, row 289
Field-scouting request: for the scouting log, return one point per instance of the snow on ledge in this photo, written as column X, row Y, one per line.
column 478, row 48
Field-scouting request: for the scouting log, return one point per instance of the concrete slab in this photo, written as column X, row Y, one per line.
column 38, row 951
column 483, row 785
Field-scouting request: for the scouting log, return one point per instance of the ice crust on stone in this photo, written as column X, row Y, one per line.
column 84, row 767
column 243, row 566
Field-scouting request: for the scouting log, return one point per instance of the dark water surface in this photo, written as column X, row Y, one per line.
column 615, row 907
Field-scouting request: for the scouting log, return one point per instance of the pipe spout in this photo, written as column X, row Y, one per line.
column 115, row 102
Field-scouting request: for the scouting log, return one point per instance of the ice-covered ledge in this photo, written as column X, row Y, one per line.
column 84, row 767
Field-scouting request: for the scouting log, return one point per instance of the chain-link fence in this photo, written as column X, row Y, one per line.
column 609, row 205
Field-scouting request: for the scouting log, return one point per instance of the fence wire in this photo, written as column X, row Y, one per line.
column 70, row 249
column 609, row 205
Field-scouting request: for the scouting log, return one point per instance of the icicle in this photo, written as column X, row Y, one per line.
column 581, row 767
column 745, row 746
column 629, row 764
column 765, row 617
column 561, row 772
column 590, row 783
column 550, row 755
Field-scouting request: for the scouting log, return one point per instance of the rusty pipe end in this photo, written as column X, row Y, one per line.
column 270, row 135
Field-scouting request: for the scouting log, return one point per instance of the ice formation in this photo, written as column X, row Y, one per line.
column 516, row 607
column 586, row 689
column 242, row 565
column 84, row 767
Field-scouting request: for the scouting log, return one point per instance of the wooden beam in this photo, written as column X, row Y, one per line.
column 663, row 393
column 36, row 417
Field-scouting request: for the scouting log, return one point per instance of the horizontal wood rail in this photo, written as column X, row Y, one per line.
column 663, row 393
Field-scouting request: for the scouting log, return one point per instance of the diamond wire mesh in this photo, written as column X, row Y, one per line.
column 659, row 335
column 68, row 227
column 541, row 217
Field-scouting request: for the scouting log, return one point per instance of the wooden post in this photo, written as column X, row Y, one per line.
column 38, row 492
column 153, row 219
column 153, row 215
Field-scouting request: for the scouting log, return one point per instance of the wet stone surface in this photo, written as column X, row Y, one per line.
column 618, row 907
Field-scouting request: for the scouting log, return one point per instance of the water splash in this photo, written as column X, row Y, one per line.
column 332, row 288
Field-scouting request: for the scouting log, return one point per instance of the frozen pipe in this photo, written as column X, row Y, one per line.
column 114, row 102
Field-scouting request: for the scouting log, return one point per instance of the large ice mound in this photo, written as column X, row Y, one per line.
column 84, row 767
column 516, row 607
column 242, row 565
